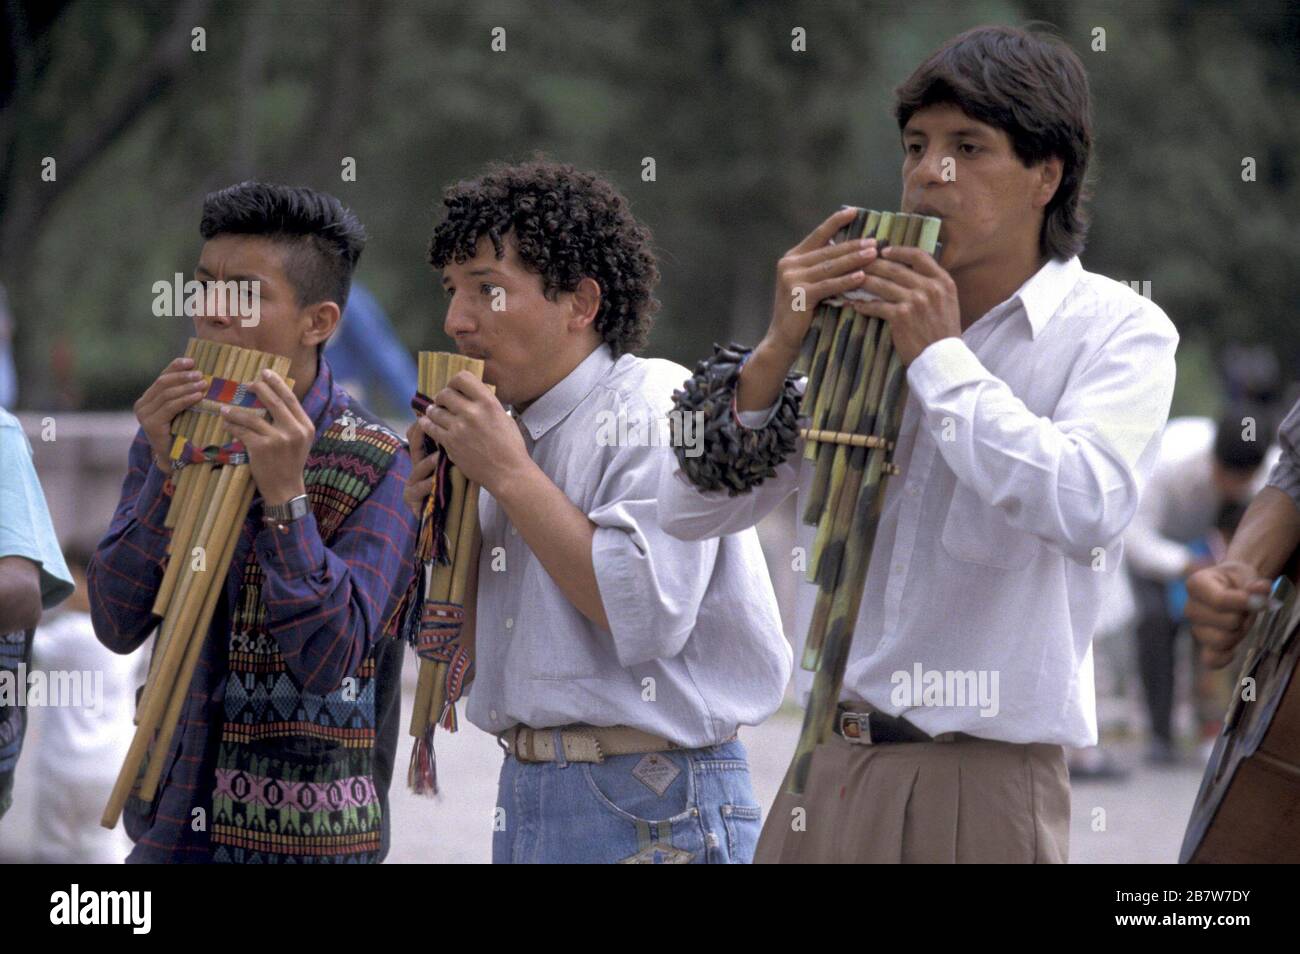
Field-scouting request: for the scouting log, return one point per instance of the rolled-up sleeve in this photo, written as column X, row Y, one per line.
column 1073, row 479
column 1285, row 475
column 651, row 583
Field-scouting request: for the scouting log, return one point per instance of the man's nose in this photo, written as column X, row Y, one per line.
column 929, row 169
column 458, row 320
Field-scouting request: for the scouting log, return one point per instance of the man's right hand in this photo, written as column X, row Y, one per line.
column 420, row 484
column 1219, row 605
column 806, row 275
column 821, row 271
column 178, row 387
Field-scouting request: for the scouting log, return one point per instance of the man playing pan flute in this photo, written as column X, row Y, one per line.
column 1037, row 394
column 286, row 742
column 613, row 662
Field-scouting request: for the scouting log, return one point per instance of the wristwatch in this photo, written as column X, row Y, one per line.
column 277, row 515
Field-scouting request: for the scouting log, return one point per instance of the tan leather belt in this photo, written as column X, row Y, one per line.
column 582, row 743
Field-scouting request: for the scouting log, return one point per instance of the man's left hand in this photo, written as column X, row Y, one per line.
column 278, row 447
column 481, row 439
column 918, row 299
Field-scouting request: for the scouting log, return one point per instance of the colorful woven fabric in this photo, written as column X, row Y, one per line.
column 294, row 774
column 222, row 391
column 184, row 453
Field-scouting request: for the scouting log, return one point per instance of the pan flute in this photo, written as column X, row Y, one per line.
column 212, row 492
column 853, row 402
column 445, row 548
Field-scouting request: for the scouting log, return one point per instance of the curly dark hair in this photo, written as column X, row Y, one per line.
column 567, row 225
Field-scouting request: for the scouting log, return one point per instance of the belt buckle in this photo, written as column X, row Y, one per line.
column 855, row 727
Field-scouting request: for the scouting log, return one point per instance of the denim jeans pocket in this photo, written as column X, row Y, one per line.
column 648, row 804
column 743, row 824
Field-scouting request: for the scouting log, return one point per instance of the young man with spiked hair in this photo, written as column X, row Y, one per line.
column 1037, row 392
column 287, row 736
column 614, row 663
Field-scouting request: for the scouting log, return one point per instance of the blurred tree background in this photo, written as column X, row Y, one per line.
column 753, row 143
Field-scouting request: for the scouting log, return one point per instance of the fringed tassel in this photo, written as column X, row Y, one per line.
column 448, row 720
column 422, row 775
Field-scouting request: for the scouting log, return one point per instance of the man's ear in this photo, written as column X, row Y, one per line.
column 584, row 304
column 1050, row 171
column 322, row 318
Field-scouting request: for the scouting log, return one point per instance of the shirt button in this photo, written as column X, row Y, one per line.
column 913, row 489
column 493, row 715
column 514, row 532
column 899, row 568
column 510, row 622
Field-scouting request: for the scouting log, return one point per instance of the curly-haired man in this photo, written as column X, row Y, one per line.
column 614, row 662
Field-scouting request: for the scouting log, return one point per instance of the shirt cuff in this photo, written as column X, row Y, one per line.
column 944, row 364
column 293, row 552
column 153, row 500
column 757, row 420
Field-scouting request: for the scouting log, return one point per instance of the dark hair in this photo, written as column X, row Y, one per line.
column 1232, row 450
column 323, row 239
column 567, row 225
column 1033, row 87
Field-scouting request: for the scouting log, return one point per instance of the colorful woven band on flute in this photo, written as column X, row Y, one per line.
column 735, row 458
column 222, row 391
column 437, row 641
column 184, row 453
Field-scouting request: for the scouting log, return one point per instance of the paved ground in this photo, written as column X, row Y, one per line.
column 1143, row 816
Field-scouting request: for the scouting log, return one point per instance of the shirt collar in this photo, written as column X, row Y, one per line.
column 1041, row 295
column 557, row 403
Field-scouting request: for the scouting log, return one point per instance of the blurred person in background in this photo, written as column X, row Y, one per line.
column 368, row 359
column 1203, row 466
column 80, row 747
column 33, row 577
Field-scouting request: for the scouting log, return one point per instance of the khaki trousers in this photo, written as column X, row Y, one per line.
column 928, row 802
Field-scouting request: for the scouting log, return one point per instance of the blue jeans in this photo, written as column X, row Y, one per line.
column 685, row 806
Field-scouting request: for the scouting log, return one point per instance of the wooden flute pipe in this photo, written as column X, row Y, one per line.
column 241, row 487
column 206, row 494
column 467, row 539
column 218, row 514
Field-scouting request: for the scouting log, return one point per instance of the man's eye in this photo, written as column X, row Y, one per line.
column 486, row 289
column 912, row 148
column 969, row 148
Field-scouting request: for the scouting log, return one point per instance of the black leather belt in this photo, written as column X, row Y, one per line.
column 876, row 728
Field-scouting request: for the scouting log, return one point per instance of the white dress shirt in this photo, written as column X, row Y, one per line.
column 1180, row 502
column 1024, row 448
column 696, row 647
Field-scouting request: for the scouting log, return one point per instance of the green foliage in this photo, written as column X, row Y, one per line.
column 753, row 144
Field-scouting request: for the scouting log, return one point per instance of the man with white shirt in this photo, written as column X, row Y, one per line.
column 1203, row 466
column 613, row 662
column 1037, row 395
